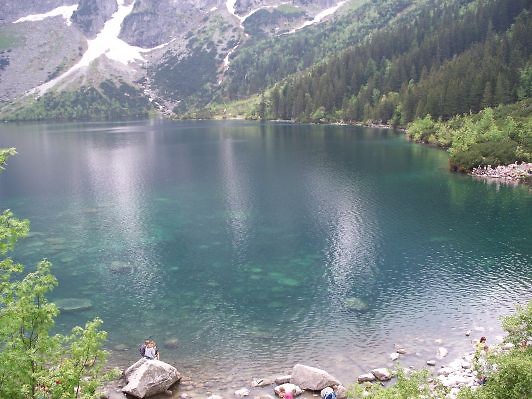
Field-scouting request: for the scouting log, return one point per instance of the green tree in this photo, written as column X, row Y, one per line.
column 34, row 363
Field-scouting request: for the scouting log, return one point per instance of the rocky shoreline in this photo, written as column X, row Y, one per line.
column 305, row 380
column 514, row 172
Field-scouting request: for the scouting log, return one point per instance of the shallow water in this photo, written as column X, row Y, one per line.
column 244, row 241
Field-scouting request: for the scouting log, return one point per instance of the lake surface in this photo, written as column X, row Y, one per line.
column 250, row 243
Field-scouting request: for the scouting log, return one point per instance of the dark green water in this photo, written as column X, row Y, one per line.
column 243, row 241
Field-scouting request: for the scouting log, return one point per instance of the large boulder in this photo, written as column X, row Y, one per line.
column 312, row 378
column 149, row 377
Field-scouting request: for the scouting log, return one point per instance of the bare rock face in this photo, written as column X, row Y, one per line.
column 92, row 14
column 312, row 378
column 152, row 23
column 149, row 377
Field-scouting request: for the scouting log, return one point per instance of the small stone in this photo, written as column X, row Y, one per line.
column 261, row 382
column 394, row 356
column 401, row 351
column 368, row 377
column 242, row 392
column 382, row 374
column 442, row 352
column 438, row 341
column 214, row 397
column 282, row 379
column 168, row 392
column 341, row 392
column 468, row 333
column 445, row 371
column 431, row 362
column 184, row 396
column 466, row 365
column 508, row 346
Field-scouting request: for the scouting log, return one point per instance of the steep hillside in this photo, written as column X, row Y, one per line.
column 176, row 54
column 451, row 58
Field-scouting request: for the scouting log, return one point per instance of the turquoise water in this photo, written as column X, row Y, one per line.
column 257, row 246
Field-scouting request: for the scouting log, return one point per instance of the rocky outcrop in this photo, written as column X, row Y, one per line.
column 152, row 23
column 92, row 14
column 312, row 378
column 149, row 377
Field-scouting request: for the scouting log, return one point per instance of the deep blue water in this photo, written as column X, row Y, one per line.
column 244, row 241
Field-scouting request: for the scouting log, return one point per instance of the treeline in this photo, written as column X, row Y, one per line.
column 260, row 63
column 497, row 136
column 110, row 101
column 451, row 58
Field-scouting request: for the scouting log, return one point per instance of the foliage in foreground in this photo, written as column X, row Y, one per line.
column 408, row 386
column 34, row 363
column 492, row 137
column 509, row 375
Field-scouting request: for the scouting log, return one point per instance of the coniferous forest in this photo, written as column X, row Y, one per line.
column 452, row 58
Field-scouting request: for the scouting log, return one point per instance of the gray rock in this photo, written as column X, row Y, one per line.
column 288, row 387
column 312, row 378
column 442, row 352
column 368, row 377
column 382, row 374
column 261, row 382
column 282, row 379
column 445, row 371
column 394, row 356
column 242, row 392
column 341, row 392
column 401, row 351
column 149, row 377
column 215, row 397
column 431, row 362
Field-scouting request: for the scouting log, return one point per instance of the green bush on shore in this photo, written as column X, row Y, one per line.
column 492, row 137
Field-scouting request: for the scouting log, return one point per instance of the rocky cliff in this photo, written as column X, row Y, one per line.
column 92, row 14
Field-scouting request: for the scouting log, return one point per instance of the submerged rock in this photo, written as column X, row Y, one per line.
column 312, row 378
column 356, row 304
column 73, row 304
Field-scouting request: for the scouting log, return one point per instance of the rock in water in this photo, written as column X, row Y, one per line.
column 312, row 378
column 242, row 392
column 73, row 304
column 382, row 374
column 282, row 379
column 149, row 377
column 356, row 304
column 369, row 377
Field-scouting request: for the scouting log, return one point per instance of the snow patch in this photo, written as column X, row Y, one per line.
column 320, row 16
column 105, row 43
column 64, row 11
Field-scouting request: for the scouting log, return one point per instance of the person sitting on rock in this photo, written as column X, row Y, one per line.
column 142, row 348
column 149, row 352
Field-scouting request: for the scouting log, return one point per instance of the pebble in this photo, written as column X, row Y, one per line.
column 394, row 356
column 431, row 362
